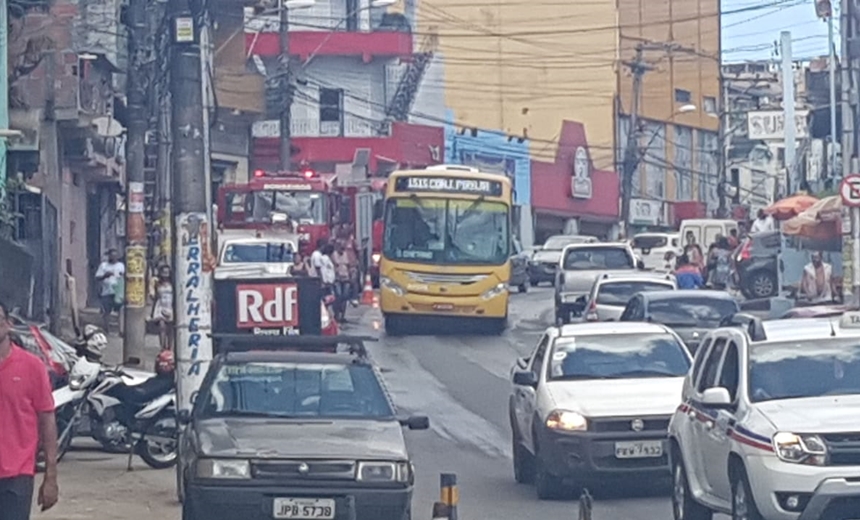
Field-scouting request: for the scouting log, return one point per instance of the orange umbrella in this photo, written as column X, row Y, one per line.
column 822, row 220
column 790, row 206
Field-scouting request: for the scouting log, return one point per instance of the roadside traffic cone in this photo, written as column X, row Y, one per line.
column 367, row 292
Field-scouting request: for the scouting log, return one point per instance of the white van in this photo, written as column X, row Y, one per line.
column 706, row 230
column 651, row 248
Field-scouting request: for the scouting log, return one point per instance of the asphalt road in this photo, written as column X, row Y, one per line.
column 459, row 381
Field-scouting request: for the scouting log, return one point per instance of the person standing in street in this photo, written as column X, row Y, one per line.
column 763, row 222
column 27, row 422
column 162, row 307
column 110, row 273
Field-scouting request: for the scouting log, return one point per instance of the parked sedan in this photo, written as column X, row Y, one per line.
column 594, row 400
column 690, row 313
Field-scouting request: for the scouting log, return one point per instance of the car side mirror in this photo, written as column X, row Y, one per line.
column 416, row 422
column 183, row 417
column 640, row 265
column 525, row 379
column 717, row 398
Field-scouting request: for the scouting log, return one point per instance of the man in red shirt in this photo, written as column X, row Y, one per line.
column 26, row 422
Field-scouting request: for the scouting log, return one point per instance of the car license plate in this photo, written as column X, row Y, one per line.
column 443, row 306
column 638, row 449
column 304, row 508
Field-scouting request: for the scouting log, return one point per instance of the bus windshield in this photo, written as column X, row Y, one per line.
column 304, row 207
column 447, row 231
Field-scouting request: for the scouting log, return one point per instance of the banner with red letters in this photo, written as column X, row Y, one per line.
column 268, row 306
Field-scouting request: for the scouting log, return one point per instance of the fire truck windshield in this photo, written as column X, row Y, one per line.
column 303, row 207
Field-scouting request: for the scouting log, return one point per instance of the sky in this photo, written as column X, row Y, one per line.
column 750, row 28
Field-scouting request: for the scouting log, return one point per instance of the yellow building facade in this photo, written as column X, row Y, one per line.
column 523, row 67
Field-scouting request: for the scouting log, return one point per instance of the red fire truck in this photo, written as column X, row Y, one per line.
column 303, row 205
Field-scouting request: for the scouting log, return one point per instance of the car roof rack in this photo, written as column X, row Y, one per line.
column 753, row 325
column 298, row 343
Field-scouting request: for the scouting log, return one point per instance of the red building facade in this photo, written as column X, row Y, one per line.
column 570, row 195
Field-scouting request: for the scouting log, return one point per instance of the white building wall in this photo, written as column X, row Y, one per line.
column 429, row 107
column 364, row 97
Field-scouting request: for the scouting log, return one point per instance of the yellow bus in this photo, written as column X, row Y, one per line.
column 446, row 247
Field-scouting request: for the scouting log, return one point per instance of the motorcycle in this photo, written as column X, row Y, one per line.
column 70, row 402
column 140, row 418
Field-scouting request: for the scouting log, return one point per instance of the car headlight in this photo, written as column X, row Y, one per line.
column 800, row 449
column 566, row 421
column 223, row 468
column 77, row 382
column 495, row 291
column 391, row 285
column 384, row 472
column 375, row 258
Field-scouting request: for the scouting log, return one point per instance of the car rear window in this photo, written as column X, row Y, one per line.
column 650, row 241
column 596, row 258
column 691, row 311
column 618, row 356
column 617, row 294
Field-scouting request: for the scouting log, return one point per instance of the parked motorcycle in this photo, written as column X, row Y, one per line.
column 141, row 418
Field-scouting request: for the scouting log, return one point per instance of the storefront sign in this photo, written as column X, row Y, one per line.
column 580, row 185
column 266, row 129
column 644, row 212
column 770, row 125
column 449, row 185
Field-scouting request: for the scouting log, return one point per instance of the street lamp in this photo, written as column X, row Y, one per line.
column 686, row 109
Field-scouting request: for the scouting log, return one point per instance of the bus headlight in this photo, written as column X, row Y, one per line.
column 495, row 291
column 391, row 285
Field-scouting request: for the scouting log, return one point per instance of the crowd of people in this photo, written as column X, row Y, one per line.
column 336, row 263
column 716, row 268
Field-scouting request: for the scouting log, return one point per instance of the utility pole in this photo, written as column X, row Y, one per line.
column 134, row 337
column 631, row 151
column 850, row 242
column 725, row 148
column 791, row 184
column 285, row 82
column 831, row 43
column 192, row 254
column 4, row 91
column 165, row 177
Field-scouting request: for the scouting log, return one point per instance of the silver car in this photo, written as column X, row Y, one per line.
column 544, row 261
column 579, row 267
column 594, row 400
column 611, row 292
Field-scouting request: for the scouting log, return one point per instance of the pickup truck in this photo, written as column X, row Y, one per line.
column 578, row 268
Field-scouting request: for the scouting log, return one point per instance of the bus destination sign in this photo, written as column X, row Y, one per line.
column 450, row 185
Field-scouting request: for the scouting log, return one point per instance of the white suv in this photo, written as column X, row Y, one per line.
column 769, row 424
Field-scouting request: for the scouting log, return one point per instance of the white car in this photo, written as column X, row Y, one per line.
column 769, row 424
column 652, row 248
column 593, row 400
column 610, row 293
column 248, row 257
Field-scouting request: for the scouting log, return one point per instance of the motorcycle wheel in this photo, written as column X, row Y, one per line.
column 160, row 454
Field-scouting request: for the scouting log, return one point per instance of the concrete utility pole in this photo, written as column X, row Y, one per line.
column 631, row 151
column 850, row 241
column 725, row 145
column 285, row 81
column 831, row 43
column 165, row 177
column 4, row 90
column 192, row 254
column 791, row 183
column 136, row 236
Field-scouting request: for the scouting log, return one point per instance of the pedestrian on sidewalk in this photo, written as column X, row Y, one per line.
column 162, row 307
column 110, row 273
column 26, row 422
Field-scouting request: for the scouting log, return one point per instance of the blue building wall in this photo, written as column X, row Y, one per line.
column 491, row 152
